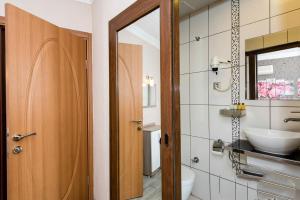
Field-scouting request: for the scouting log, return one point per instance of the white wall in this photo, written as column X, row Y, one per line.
column 103, row 11
column 64, row 13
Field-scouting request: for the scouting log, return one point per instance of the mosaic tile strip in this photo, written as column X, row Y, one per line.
column 235, row 66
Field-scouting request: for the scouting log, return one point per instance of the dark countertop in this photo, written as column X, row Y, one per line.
column 244, row 147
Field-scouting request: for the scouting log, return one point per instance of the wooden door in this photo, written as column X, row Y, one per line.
column 130, row 78
column 46, row 95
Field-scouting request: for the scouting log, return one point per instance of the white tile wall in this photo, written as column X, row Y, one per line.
column 285, row 21
column 278, row 114
column 221, row 166
column 184, row 58
column 199, row 24
column 184, row 30
column 252, row 194
column 185, row 119
column 241, row 192
column 199, row 55
column 184, row 89
column 200, row 149
column 216, row 97
column 185, row 150
column 282, row 6
column 220, row 127
column 247, row 7
column 220, row 17
column 199, row 88
column 222, row 189
column 201, row 122
column 220, row 45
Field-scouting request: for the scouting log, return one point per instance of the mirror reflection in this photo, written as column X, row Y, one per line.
column 273, row 66
column 139, row 105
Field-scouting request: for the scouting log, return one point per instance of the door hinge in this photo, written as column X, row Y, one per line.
column 86, row 63
column 88, row 180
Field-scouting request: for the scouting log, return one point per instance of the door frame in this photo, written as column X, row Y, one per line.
column 3, row 163
column 169, row 57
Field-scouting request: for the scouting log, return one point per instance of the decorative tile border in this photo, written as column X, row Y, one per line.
column 235, row 66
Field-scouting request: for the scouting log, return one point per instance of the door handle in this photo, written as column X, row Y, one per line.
column 19, row 137
column 137, row 121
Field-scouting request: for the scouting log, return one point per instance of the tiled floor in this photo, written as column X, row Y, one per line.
column 152, row 188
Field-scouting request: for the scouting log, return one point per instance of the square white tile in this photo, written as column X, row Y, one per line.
column 219, row 17
column 261, row 8
column 184, row 58
column 278, row 114
column 185, row 150
column 220, row 126
column 199, row 121
column 199, row 55
column 251, row 31
column 184, row 89
column 220, row 46
column 200, row 149
column 201, row 185
column 280, row 6
column 224, row 78
column 227, row 190
column 285, row 21
column 215, row 188
column 252, row 194
column 199, row 24
column 220, row 165
column 199, row 88
column 241, row 192
column 185, row 119
column 184, row 27
column 285, row 103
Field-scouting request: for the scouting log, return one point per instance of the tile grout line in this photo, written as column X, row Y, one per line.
column 208, row 109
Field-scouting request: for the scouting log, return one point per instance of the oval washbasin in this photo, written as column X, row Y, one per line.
column 273, row 141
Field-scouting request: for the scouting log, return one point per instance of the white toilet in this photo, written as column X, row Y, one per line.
column 187, row 182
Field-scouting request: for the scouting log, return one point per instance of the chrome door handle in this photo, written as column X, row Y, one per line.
column 137, row 121
column 19, row 137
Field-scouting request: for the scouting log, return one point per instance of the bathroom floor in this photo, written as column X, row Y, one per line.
column 152, row 187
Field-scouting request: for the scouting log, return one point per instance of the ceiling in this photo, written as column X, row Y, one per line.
column 190, row 6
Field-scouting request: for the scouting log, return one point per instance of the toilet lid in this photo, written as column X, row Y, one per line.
column 187, row 175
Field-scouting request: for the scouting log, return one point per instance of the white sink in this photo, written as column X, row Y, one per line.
column 273, row 141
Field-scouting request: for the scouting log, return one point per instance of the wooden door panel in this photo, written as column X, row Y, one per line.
column 130, row 104
column 46, row 94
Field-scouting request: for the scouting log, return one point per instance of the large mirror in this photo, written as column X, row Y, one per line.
column 273, row 66
column 140, row 132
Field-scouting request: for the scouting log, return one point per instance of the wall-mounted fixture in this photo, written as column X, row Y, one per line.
column 218, row 147
column 217, row 63
column 149, row 92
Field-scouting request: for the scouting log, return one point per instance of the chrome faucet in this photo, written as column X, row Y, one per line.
column 291, row 120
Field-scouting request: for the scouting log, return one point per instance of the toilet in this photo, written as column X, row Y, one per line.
column 187, row 182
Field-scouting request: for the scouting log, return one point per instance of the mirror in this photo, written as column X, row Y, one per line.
column 149, row 92
column 273, row 66
column 139, row 108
